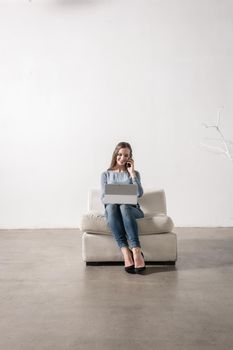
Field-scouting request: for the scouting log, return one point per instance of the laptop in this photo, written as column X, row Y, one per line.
column 120, row 194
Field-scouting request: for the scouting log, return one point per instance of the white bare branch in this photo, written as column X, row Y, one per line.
column 225, row 143
column 214, row 148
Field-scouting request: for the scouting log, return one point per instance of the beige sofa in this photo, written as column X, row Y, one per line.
column 158, row 242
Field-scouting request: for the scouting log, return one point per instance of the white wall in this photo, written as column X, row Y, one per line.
column 78, row 76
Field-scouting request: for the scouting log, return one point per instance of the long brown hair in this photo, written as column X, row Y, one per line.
column 116, row 150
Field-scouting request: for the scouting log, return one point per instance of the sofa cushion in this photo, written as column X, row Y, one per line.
column 94, row 222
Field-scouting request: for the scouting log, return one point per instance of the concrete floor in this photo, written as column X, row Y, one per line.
column 49, row 299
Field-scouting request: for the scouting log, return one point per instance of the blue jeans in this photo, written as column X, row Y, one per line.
column 121, row 219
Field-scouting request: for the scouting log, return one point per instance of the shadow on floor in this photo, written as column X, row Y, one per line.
column 158, row 269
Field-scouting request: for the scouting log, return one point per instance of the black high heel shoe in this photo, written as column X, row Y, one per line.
column 130, row 269
column 140, row 269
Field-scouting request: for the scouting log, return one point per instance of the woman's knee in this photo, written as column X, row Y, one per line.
column 111, row 209
column 125, row 209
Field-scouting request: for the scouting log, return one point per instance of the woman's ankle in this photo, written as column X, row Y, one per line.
column 136, row 250
column 128, row 258
column 125, row 250
column 138, row 258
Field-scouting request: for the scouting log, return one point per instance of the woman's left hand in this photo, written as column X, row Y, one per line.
column 131, row 167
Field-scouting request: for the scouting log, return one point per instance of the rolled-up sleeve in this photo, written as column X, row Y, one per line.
column 137, row 181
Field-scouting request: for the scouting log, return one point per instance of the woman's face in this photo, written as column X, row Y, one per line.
column 122, row 156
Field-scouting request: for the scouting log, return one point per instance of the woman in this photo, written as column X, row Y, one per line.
column 121, row 218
